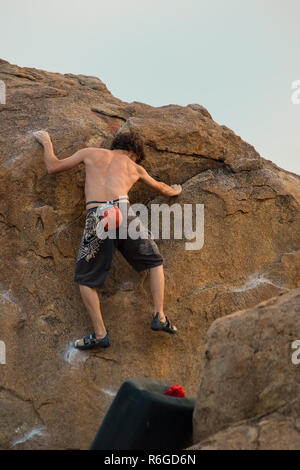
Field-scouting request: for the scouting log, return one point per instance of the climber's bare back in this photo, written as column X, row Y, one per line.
column 109, row 174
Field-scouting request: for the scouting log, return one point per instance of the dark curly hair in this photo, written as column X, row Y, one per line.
column 129, row 141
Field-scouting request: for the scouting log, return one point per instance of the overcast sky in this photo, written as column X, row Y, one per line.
column 238, row 58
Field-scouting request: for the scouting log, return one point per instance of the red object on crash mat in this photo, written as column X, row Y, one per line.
column 176, row 391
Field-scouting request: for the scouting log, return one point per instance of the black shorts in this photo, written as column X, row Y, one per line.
column 95, row 255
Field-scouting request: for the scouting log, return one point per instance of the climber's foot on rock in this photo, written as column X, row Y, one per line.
column 91, row 341
column 159, row 325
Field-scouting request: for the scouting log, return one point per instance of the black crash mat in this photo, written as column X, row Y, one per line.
column 142, row 417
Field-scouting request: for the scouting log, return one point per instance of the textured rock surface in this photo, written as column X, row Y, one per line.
column 278, row 431
column 249, row 373
column 250, row 253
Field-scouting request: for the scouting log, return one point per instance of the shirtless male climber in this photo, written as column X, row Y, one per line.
column 110, row 174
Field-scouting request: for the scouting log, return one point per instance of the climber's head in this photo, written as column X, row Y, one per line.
column 130, row 142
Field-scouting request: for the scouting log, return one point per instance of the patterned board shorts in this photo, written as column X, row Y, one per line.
column 95, row 254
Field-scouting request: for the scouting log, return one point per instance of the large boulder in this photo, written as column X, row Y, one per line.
column 249, row 372
column 250, row 253
column 279, row 430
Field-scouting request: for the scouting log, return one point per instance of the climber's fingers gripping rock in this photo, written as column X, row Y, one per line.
column 177, row 188
column 42, row 137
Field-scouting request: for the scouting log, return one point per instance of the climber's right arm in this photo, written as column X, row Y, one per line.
column 158, row 186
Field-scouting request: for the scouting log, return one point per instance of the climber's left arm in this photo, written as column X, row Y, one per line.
column 53, row 164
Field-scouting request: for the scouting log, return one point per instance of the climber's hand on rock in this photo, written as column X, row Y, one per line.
column 42, row 137
column 177, row 188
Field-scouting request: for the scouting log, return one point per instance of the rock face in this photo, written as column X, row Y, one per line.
column 251, row 251
column 249, row 373
column 278, row 431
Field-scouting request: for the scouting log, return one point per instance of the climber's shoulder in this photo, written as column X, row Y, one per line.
column 87, row 155
column 93, row 154
column 92, row 151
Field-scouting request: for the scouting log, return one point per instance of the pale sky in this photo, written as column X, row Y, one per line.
column 238, row 58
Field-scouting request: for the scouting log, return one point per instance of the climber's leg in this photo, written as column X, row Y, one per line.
column 91, row 301
column 157, row 282
column 92, row 266
column 143, row 254
column 157, row 285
